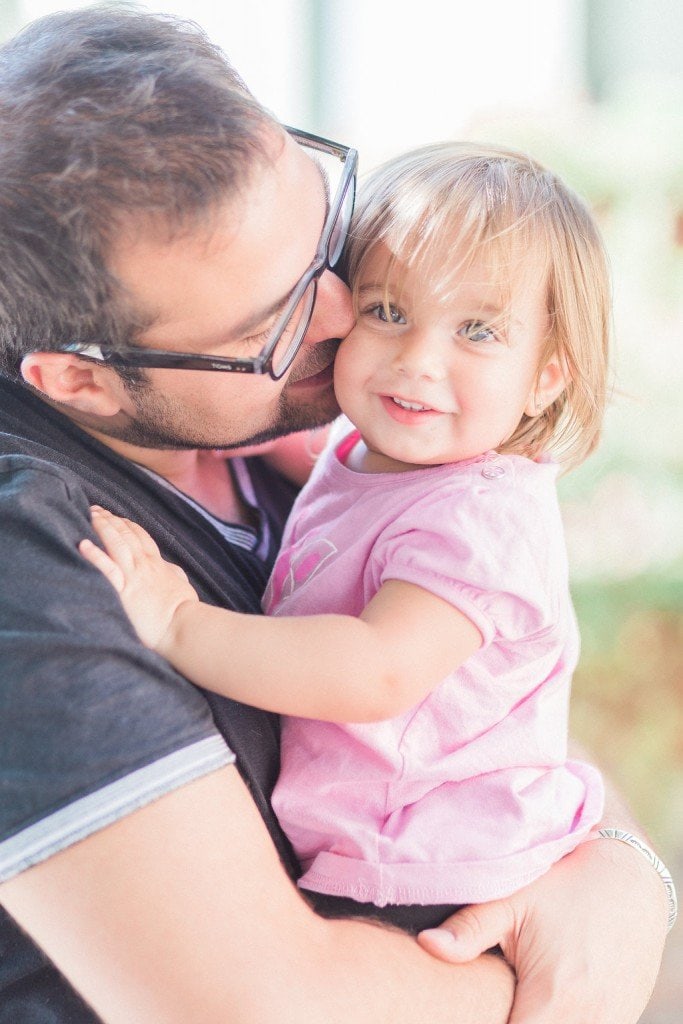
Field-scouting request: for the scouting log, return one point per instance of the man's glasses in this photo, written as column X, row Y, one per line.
column 289, row 330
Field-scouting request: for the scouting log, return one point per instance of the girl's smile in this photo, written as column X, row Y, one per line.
column 405, row 411
column 428, row 381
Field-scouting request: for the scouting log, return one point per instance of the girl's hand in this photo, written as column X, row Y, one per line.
column 151, row 589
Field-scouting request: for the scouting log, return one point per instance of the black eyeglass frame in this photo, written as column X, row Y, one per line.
column 150, row 358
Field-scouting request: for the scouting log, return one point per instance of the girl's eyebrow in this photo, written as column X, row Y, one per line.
column 372, row 287
column 491, row 311
column 486, row 309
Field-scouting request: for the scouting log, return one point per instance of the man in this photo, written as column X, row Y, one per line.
column 165, row 291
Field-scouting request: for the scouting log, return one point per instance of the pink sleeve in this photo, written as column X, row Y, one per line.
column 494, row 552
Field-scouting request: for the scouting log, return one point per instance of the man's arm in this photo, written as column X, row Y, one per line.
column 181, row 912
column 586, row 939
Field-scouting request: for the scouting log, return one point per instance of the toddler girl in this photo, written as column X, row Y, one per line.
column 421, row 634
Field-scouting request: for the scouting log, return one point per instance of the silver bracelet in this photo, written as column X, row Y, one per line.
column 660, row 868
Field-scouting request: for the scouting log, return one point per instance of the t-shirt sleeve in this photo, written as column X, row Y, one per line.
column 490, row 550
column 92, row 724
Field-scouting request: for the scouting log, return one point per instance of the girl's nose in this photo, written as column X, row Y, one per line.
column 420, row 355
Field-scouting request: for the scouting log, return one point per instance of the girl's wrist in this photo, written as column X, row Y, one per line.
column 171, row 639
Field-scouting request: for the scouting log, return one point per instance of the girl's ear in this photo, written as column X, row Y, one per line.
column 64, row 378
column 549, row 385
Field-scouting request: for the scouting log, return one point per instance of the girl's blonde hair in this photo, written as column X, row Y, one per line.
column 502, row 204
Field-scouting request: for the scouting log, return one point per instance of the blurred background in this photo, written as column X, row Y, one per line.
column 595, row 89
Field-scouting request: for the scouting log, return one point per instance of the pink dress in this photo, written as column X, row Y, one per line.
column 469, row 795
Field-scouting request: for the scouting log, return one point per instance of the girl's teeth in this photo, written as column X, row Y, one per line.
column 413, row 406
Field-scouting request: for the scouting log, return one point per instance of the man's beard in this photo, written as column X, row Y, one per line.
column 159, row 423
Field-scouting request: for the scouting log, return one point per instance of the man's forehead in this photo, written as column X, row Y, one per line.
column 284, row 145
column 206, row 224
column 243, row 257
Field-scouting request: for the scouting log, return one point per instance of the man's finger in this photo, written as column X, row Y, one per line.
column 470, row 932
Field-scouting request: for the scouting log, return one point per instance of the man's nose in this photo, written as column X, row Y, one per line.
column 333, row 310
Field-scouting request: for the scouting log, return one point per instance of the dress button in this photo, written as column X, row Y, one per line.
column 492, row 471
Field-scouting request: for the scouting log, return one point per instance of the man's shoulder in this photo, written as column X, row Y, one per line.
column 26, row 464
column 39, row 497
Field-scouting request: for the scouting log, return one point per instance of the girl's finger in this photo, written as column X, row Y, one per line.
column 120, row 542
column 132, row 533
column 147, row 543
column 97, row 557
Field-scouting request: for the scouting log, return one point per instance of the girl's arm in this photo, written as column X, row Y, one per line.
column 333, row 667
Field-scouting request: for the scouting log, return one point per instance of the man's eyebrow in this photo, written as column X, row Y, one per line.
column 246, row 326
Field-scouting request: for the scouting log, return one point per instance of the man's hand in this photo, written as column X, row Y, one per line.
column 585, row 939
column 151, row 589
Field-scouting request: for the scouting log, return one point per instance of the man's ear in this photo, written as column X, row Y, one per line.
column 64, row 378
column 549, row 385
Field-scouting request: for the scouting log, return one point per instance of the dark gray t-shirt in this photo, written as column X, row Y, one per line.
column 92, row 724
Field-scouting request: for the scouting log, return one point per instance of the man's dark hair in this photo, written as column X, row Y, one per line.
column 106, row 113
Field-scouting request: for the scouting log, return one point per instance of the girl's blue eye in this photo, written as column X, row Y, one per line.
column 379, row 311
column 477, row 331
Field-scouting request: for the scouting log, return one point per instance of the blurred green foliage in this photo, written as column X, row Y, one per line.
column 628, row 692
